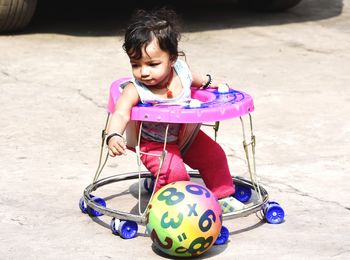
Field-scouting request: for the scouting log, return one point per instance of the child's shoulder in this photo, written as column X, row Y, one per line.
column 181, row 60
column 128, row 87
column 127, row 84
column 181, row 64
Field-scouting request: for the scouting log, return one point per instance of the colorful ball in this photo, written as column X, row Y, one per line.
column 184, row 219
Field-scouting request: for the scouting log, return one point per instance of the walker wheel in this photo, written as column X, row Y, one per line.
column 274, row 214
column 82, row 205
column 273, row 203
column 114, row 225
column 148, row 184
column 223, row 236
column 99, row 201
column 243, row 193
column 127, row 229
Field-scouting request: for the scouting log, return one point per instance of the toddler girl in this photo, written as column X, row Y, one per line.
column 159, row 76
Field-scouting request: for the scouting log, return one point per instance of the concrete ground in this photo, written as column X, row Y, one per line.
column 54, row 82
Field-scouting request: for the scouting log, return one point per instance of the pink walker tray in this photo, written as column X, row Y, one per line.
column 214, row 106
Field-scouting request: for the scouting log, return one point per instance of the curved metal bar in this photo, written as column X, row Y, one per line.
column 103, row 138
column 144, row 174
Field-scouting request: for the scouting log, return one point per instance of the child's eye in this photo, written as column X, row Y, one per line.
column 134, row 65
column 154, row 64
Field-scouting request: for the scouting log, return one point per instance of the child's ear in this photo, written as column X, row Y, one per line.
column 173, row 59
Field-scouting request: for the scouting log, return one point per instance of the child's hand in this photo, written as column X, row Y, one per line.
column 220, row 86
column 116, row 146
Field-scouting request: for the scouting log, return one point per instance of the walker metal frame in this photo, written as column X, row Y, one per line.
column 253, row 183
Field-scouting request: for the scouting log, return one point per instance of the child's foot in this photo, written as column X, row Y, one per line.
column 230, row 204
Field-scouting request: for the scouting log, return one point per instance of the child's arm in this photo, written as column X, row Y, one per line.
column 204, row 81
column 199, row 80
column 120, row 118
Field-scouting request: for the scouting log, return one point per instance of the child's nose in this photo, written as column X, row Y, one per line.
column 144, row 72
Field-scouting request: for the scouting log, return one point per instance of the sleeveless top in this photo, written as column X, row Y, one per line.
column 155, row 131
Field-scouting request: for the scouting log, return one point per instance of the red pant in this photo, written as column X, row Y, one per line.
column 204, row 154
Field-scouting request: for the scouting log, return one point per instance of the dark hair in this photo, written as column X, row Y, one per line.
column 162, row 24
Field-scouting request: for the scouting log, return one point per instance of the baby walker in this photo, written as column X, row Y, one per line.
column 210, row 105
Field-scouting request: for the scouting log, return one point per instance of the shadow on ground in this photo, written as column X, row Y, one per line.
column 108, row 17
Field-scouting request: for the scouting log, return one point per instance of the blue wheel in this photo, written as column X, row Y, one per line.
column 82, row 205
column 273, row 203
column 243, row 193
column 274, row 214
column 114, row 225
column 127, row 229
column 99, row 201
column 148, row 184
column 223, row 236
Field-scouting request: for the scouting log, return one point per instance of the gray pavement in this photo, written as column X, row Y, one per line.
column 54, row 84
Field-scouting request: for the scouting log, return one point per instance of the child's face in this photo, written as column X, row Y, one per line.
column 154, row 66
